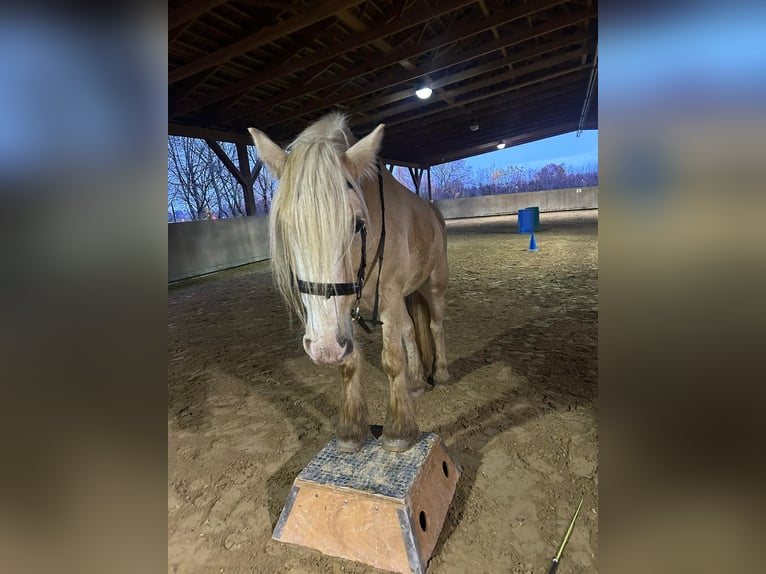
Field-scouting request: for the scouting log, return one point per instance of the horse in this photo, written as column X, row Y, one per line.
column 338, row 218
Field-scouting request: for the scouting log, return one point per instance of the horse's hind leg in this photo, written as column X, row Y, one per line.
column 437, row 301
column 352, row 427
column 416, row 375
column 401, row 429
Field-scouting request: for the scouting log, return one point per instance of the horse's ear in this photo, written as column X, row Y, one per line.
column 272, row 155
column 360, row 158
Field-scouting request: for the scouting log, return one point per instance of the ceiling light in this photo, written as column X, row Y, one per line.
column 473, row 127
column 424, row 92
column 501, row 145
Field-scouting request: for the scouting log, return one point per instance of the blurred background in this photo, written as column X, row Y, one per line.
column 83, row 177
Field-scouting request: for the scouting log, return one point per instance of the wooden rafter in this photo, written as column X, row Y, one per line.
column 519, row 69
column 226, row 160
column 353, row 42
column 423, row 111
column 191, row 10
column 398, row 75
column 498, row 112
column 261, row 38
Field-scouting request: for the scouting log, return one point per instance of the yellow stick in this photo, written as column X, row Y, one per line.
column 555, row 564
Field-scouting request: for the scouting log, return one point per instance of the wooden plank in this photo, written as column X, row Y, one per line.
column 261, row 38
column 207, row 133
column 227, row 162
column 472, row 87
column 347, row 524
column 430, row 498
column 190, row 11
column 353, row 42
column 372, row 64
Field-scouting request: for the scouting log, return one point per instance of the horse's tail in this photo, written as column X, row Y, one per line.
column 417, row 307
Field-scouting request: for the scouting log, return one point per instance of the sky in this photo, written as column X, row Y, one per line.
column 686, row 58
column 568, row 149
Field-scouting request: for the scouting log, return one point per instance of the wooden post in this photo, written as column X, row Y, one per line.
column 381, row 508
column 416, row 173
column 247, row 186
column 241, row 175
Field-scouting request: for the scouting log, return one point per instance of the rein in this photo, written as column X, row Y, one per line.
column 337, row 289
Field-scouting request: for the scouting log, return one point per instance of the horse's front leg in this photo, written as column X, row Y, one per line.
column 353, row 428
column 401, row 429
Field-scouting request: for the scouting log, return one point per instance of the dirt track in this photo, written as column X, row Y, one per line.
column 248, row 409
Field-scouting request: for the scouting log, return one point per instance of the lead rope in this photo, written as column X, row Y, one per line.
column 381, row 246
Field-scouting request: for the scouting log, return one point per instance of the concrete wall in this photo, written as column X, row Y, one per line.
column 199, row 247
column 553, row 200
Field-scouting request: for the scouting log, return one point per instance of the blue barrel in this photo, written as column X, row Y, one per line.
column 536, row 211
column 526, row 220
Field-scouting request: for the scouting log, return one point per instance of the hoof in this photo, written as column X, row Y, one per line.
column 348, row 446
column 427, row 385
column 441, row 379
column 397, row 445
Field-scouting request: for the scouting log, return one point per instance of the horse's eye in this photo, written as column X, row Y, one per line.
column 358, row 225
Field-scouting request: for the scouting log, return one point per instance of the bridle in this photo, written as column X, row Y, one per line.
column 338, row 289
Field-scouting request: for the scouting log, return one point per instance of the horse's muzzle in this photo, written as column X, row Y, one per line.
column 332, row 353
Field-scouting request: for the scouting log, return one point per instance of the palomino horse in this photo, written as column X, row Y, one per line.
column 335, row 213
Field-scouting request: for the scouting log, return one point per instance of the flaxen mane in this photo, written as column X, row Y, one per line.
column 311, row 207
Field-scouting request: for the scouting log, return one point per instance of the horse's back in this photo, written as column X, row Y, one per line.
column 416, row 233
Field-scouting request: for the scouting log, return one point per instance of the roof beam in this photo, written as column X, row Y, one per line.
column 423, row 111
column 491, row 142
column 533, row 134
column 207, row 133
column 398, row 76
column 264, row 36
column 490, row 115
column 535, row 91
column 502, row 125
column 190, row 11
column 477, row 71
column 226, row 160
column 529, row 131
column 358, row 40
column 551, row 111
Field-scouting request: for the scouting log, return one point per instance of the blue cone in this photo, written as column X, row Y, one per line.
column 532, row 243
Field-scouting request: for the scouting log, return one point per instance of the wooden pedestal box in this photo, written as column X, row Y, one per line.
column 381, row 508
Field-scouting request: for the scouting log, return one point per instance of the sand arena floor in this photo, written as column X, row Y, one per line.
column 248, row 409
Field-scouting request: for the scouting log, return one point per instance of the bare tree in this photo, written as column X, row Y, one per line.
column 198, row 180
column 551, row 176
column 509, row 179
column 264, row 187
column 452, row 180
column 189, row 175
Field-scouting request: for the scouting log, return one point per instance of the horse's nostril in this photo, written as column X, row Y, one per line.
column 306, row 344
column 342, row 342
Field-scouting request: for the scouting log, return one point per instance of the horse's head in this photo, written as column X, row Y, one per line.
column 316, row 237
